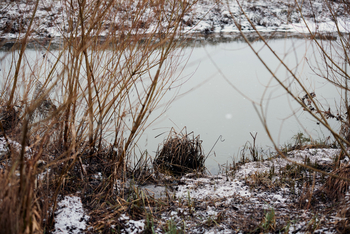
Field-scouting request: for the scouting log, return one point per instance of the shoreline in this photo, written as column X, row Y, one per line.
column 206, row 21
column 187, row 40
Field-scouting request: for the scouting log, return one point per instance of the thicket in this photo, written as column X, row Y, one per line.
column 81, row 108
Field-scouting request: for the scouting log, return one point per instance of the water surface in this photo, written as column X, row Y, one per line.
column 216, row 102
column 217, row 88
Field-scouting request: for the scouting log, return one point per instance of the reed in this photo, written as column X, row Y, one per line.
column 83, row 106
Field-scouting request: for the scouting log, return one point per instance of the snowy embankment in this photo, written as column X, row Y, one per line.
column 253, row 190
column 218, row 203
column 205, row 17
column 226, row 186
column 245, row 195
column 232, row 196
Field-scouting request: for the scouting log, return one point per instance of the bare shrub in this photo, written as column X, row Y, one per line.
column 84, row 105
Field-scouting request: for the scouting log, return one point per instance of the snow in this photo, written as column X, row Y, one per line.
column 213, row 194
column 211, row 188
column 320, row 156
column 205, row 17
column 223, row 186
column 70, row 216
column 132, row 226
column 4, row 148
column 325, row 27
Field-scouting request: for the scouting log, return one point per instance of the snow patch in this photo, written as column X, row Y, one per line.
column 70, row 216
column 132, row 226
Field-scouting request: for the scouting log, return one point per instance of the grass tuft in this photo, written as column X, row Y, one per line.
column 181, row 153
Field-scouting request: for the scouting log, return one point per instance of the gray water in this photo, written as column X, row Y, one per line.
column 215, row 92
column 217, row 100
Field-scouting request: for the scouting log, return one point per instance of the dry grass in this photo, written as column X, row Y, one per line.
column 336, row 188
column 80, row 109
column 181, row 153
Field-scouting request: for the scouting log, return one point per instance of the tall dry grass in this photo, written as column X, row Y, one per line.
column 82, row 107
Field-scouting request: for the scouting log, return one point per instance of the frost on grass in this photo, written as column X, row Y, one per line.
column 313, row 156
column 70, row 216
column 230, row 199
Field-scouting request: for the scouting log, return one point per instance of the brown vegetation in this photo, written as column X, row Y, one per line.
column 336, row 188
column 71, row 102
column 180, row 154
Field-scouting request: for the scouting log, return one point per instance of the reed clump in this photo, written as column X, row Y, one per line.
column 181, row 153
column 336, row 188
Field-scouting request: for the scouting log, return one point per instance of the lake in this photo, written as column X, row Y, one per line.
column 215, row 92
column 224, row 80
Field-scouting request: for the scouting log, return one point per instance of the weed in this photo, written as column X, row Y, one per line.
column 269, row 222
column 215, row 220
column 149, row 225
column 300, row 140
column 253, row 150
column 170, row 227
column 190, row 203
column 285, row 229
column 314, row 223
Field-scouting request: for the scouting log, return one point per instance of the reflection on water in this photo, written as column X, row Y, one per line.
column 217, row 89
column 226, row 79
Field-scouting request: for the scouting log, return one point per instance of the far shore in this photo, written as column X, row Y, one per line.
column 188, row 39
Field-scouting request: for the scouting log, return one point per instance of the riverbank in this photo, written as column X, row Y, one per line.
column 271, row 196
column 69, row 179
column 205, row 18
column 276, row 195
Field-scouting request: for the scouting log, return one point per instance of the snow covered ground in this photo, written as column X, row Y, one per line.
column 246, row 193
column 248, row 189
column 219, row 203
column 205, row 17
column 70, row 216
